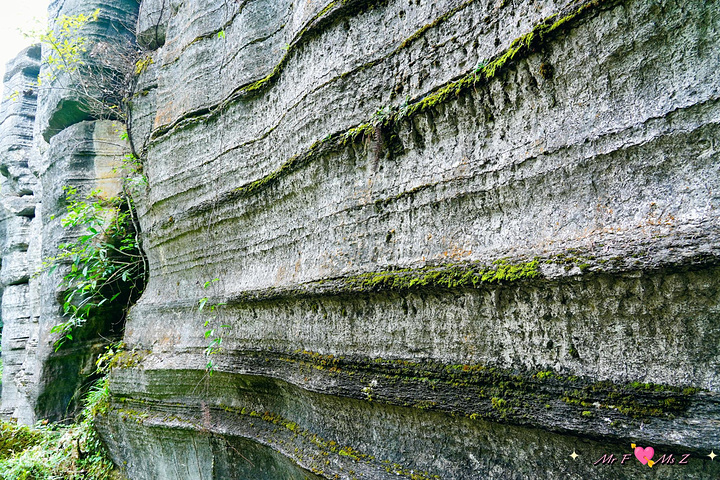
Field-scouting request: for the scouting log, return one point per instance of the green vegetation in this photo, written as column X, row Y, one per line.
column 56, row 451
column 104, row 267
column 97, row 77
column 542, row 375
column 51, row 452
column 65, row 45
column 445, row 276
column 143, row 63
column 213, row 328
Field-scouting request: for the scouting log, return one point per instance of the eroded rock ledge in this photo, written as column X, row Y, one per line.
column 450, row 243
column 451, row 239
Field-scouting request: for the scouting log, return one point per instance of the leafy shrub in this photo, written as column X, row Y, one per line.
column 106, row 266
column 54, row 452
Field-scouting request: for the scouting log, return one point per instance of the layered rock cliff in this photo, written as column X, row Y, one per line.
column 20, row 229
column 419, row 239
column 49, row 144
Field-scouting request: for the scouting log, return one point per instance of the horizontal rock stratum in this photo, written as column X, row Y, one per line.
column 438, row 240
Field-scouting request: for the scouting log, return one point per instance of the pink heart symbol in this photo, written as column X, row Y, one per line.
column 644, row 454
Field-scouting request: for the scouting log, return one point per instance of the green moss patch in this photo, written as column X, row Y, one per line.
column 446, row 276
column 500, row 394
column 54, row 451
column 16, row 438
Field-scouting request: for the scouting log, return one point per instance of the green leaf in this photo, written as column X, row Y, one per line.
column 202, row 303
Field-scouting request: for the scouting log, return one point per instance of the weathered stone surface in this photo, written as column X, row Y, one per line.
column 437, row 239
column 18, row 107
column 144, row 105
column 16, row 331
column 182, row 170
column 18, row 224
column 26, row 377
column 352, row 268
column 17, row 231
column 15, row 269
column 85, row 156
column 152, row 23
column 37, row 160
column 39, row 383
column 332, row 435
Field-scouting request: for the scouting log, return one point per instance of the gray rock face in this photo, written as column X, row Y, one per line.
column 86, row 156
column 152, row 23
column 18, row 224
column 39, row 382
column 439, row 250
column 412, row 239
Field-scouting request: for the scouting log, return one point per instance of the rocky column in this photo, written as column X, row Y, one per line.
column 18, row 204
column 74, row 140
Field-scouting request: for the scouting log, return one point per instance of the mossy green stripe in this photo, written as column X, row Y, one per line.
column 520, row 47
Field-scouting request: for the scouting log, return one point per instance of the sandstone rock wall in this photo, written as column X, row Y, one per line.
column 453, row 238
column 59, row 145
column 20, row 228
column 448, row 239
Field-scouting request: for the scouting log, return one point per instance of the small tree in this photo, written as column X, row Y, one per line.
column 106, row 265
column 101, row 74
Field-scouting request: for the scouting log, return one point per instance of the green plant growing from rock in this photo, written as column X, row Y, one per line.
column 134, row 177
column 101, row 74
column 105, row 263
column 65, row 44
column 213, row 332
column 54, row 451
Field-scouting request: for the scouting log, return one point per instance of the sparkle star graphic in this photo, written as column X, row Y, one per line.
column 574, row 455
column 712, row 455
